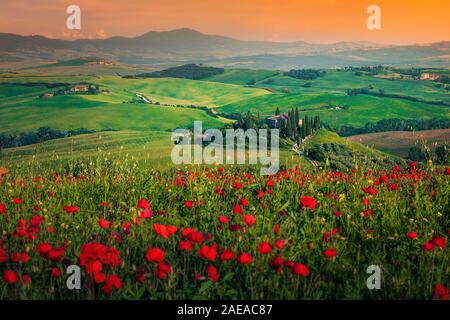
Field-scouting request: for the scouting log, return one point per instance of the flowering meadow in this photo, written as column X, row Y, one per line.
column 225, row 233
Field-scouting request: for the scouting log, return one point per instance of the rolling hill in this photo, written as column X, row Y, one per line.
column 175, row 47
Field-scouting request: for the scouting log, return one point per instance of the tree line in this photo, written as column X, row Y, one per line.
column 42, row 134
column 394, row 125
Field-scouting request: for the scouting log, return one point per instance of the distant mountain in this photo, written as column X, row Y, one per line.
column 189, row 46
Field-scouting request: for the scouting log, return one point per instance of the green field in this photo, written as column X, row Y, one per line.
column 150, row 148
column 234, row 91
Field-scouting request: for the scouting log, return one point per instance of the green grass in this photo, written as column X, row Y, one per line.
column 71, row 112
column 150, row 148
column 361, row 108
column 242, row 76
column 182, row 91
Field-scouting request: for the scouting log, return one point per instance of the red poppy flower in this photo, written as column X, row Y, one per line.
column 329, row 253
column 223, row 219
column 300, row 269
column 337, row 214
column 143, row 204
column 71, row 209
column 3, row 255
column 276, row 264
column 55, row 254
column 439, row 242
column 186, row 245
column 427, row 246
column 208, row 252
column 244, row 202
column 260, row 194
column 56, row 273
column 17, row 201
column 104, row 224
column 237, row 209
column 2, row 209
column 370, row 190
column 36, row 220
column 145, row 213
column 264, row 248
column 212, row 273
column 189, row 204
column 43, row 248
column 155, row 255
column 411, row 235
column 249, row 220
column 25, row 280
column 276, row 228
column 162, row 270
column 365, row 202
column 164, row 231
column 227, row 255
column 308, row 202
column 20, row 257
column 279, row 244
column 245, row 258
column 112, row 281
column 10, row 276
column 441, row 293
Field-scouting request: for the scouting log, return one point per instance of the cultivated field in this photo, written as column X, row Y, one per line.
column 399, row 142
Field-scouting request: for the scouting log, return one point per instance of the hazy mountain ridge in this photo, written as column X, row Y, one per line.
column 187, row 45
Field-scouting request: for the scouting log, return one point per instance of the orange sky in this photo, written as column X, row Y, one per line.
column 403, row 21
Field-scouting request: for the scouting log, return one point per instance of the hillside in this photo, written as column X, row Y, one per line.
column 175, row 47
column 399, row 142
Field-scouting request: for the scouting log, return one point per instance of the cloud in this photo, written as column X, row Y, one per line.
column 77, row 34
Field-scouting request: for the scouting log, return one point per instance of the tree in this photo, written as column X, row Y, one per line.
column 277, row 111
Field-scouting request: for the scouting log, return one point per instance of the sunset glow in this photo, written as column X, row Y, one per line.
column 403, row 21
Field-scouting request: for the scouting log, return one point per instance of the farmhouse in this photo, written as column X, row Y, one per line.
column 46, row 95
column 80, row 88
column 429, row 76
column 276, row 121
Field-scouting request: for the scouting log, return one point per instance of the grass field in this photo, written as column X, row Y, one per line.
column 358, row 110
column 21, row 110
column 152, row 149
column 399, row 142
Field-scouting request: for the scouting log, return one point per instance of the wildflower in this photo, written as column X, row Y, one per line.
column 245, row 258
column 208, row 252
column 164, row 231
column 441, row 293
column 264, row 248
column 189, row 204
column 112, row 281
column 300, row 269
column 411, row 235
column 10, row 277
column 212, row 273
column 71, row 209
column 279, row 244
column 237, row 209
column 329, row 253
column 186, row 245
column 155, row 255
column 439, row 242
column 104, row 224
column 3, row 209
column 249, row 220
column 427, row 246
column 308, row 202
column 144, row 204
column 227, row 255
column 223, row 219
